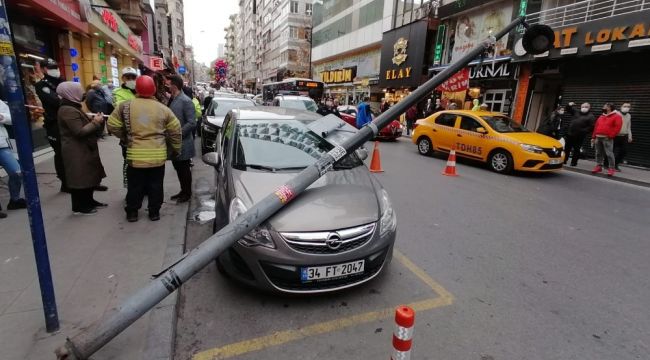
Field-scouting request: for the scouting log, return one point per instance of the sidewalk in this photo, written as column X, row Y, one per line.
column 96, row 262
column 632, row 175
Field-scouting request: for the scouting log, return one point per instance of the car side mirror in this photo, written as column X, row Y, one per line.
column 362, row 153
column 481, row 130
column 213, row 159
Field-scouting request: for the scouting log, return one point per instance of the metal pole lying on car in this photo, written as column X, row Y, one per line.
column 88, row 342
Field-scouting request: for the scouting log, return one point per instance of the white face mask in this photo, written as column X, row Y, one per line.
column 584, row 110
column 54, row 73
column 625, row 109
column 130, row 84
column 561, row 112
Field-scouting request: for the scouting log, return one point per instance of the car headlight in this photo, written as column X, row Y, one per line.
column 388, row 220
column 260, row 236
column 532, row 148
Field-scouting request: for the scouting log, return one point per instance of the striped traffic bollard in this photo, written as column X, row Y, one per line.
column 403, row 335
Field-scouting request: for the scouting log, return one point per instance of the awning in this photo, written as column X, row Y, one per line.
column 60, row 14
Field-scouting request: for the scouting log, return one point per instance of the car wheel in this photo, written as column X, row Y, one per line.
column 500, row 161
column 424, row 146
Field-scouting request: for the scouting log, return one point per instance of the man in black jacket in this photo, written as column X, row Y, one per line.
column 582, row 124
column 46, row 92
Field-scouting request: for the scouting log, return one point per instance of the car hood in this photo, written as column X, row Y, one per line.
column 338, row 200
column 215, row 120
column 534, row 139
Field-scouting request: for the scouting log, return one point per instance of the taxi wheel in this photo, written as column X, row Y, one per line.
column 424, row 146
column 500, row 161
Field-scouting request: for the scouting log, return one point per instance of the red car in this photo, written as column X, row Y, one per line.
column 391, row 132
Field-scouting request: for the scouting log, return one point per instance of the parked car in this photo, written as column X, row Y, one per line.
column 348, row 109
column 391, row 131
column 295, row 102
column 216, row 111
column 338, row 234
column 490, row 137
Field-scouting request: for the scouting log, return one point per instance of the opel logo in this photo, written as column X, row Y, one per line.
column 333, row 241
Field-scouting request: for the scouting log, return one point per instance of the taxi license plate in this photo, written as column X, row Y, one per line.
column 331, row 271
column 555, row 161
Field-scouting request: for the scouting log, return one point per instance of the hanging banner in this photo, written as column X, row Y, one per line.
column 457, row 82
column 477, row 26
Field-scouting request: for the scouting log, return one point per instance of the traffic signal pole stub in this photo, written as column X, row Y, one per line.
column 85, row 344
column 403, row 334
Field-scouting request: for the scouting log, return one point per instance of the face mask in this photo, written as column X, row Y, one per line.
column 584, row 110
column 130, row 84
column 561, row 112
column 625, row 109
column 604, row 111
column 54, row 73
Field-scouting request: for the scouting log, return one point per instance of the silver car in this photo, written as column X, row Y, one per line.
column 215, row 114
column 339, row 233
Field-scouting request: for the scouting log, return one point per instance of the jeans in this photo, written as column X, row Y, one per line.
column 184, row 172
column 605, row 148
column 573, row 145
column 82, row 199
column 145, row 181
column 11, row 166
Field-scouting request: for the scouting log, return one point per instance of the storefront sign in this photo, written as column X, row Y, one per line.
column 156, row 63
column 457, row 82
column 490, row 70
column 440, row 40
column 613, row 34
column 116, row 25
column 402, row 56
column 478, row 25
column 338, row 76
column 65, row 6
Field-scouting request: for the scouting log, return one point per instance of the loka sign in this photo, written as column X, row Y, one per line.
column 491, row 71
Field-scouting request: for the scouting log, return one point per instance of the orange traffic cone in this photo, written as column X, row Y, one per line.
column 375, row 163
column 450, row 170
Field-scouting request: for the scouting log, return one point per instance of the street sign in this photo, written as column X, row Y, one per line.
column 182, row 70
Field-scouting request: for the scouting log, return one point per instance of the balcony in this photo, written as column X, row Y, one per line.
column 131, row 11
column 585, row 11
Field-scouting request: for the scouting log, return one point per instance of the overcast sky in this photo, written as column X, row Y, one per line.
column 204, row 24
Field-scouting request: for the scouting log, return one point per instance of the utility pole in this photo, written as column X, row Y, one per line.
column 13, row 90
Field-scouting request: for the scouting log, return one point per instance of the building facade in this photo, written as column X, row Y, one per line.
column 346, row 47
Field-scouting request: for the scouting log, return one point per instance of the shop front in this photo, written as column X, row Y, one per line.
column 111, row 46
column 350, row 78
column 598, row 61
column 403, row 60
column 43, row 29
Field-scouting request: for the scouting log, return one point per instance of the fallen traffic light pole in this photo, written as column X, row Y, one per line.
column 538, row 38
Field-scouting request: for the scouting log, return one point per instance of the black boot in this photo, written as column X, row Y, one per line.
column 131, row 216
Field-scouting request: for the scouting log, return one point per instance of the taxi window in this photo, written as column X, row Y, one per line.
column 467, row 123
column 446, row 120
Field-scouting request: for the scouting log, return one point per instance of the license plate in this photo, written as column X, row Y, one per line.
column 331, row 271
column 555, row 161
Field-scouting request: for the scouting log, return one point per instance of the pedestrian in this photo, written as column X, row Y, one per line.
column 46, row 92
column 364, row 115
column 84, row 170
column 581, row 125
column 551, row 125
column 624, row 136
column 9, row 163
column 439, row 106
column 207, row 102
column 197, row 107
column 384, row 106
column 127, row 90
column 327, row 107
column 151, row 134
column 476, row 104
column 183, row 109
column 452, row 106
column 411, row 117
column 96, row 99
column 607, row 127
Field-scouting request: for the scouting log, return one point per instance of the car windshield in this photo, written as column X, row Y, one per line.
column 281, row 145
column 306, row 104
column 222, row 106
column 504, row 124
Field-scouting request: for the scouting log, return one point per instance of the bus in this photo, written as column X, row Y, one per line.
column 293, row 86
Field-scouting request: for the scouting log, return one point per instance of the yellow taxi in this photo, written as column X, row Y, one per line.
column 493, row 138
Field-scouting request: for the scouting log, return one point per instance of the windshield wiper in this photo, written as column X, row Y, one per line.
column 271, row 168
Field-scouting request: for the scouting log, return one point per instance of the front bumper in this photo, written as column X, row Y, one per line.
column 278, row 270
column 389, row 133
column 540, row 162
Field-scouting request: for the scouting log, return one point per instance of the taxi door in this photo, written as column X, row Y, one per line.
column 444, row 135
column 469, row 142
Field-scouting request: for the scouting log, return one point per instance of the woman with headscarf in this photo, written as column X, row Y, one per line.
column 84, row 169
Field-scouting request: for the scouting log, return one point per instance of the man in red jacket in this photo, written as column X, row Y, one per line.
column 607, row 127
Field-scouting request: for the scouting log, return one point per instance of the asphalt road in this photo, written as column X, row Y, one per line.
column 550, row 266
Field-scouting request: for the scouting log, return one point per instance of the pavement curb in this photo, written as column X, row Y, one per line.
column 161, row 335
column 613, row 178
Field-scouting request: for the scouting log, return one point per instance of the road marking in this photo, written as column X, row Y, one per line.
column 444, row 298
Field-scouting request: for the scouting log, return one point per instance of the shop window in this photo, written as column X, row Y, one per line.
column 446, row 120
